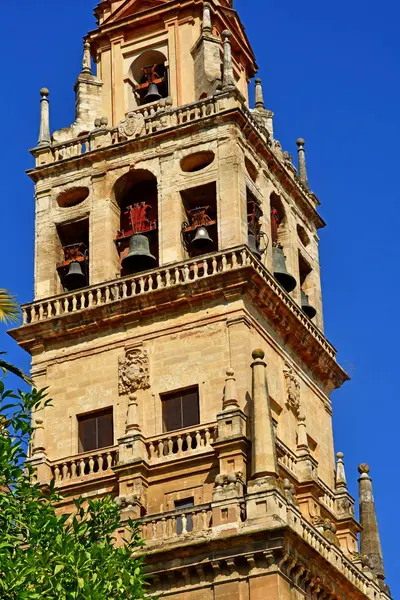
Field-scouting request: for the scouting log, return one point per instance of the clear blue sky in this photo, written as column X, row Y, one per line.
column 331, row 75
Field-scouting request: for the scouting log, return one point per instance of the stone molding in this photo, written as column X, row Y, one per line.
column 292, row 389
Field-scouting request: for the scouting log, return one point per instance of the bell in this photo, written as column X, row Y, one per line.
column 201, row 240
column 281, row 274
column 139, row 257
column 306, row 306
column 152, row 93
column 75, row 278
column 253, row 247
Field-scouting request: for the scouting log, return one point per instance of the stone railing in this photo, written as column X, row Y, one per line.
column 97, row 463
column 286, row 457
column 181, row 443
column 162, row 278
column 177, row 523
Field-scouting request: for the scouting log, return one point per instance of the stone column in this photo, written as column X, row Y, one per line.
column 228, row 81
column 86, row 62
column 207, row 24
column 263, row 455
column 259, row 104
column 302, row 161
column 340, row 480
column 370, row 544
column 44, row 133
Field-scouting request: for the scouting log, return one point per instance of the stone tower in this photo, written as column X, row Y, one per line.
column 177, row 318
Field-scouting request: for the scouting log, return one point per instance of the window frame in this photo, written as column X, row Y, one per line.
column 94, row 416
column 180, row 394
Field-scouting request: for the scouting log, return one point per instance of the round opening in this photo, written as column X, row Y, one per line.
column 301, row 232
column 72, row 197
column 197, row 161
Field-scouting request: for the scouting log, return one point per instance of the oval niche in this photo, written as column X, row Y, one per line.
column 72, row 196
column 197, row 161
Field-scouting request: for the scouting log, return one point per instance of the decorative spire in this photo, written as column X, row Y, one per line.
column 228, row 80
column 302, row 439
column 132, row 423
column 370, row 540
column 44, row 134
column 230, row 393
column 302, row 161
column 341, row 481
column 263, row 459
column 86, row 62
column 259, row 96
column 207, row 23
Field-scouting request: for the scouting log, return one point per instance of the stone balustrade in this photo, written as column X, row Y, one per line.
column 181, row 443
column 177, row 523
column 286, row 457
column 84, row 465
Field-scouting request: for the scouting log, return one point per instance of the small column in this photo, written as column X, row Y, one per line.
column 263, row 456
column 370, row 544
column 86, row 61
column 132, row 421
column 228, row 81
column 38, row 440
column 302, row 439
column 230, row 394
column 302, row 161
column 259, row 104
column 44, row 134
column 207, row 23
column 340, row 481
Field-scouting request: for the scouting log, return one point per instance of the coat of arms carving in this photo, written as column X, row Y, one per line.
column 132, row 125
column 292, row 389
column 134, row 371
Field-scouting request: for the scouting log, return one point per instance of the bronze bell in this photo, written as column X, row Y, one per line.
column 75, row 278
column 152, row 93
column 139, row 257
column 281, row 274
column 201, row 240
column 306, row 306
column 253, row 246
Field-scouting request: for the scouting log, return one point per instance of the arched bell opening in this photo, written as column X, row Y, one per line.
column 278, row 237
column 73, row 266
column 149, row 73
column 254, row 214
column 306, row 287
column 199, row 212
column 137, row 238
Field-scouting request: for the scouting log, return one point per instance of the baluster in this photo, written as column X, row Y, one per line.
column 167, row 278
column 82, row 467
column 205, row 268
column 207, row 436
column 189, row 441
column 83, row 301
column 109, row 459
column 41, row 312
column 108, row 294
column 116, row 292
column 234, row 261
column 186, row 273
column 160, row 448
column 73, row 469
column 57, row 473
column 152, row 450
column 224, row 263
column 74, row 303
column 204, row 515
column 24, row 316
column 214, row 265
column 154, row 529
column 124, row 290
column 133, row 287
column 198, row 439
column 170, row 446
column 160, row 283
column 141, row 284
column 202, row 441
column 195, row 271
column 98, row 297
column 65, row 472
column 49, row 310
column 66, row 305
column 243, row 255
column 33, row 314
column 177, row 275
column 58, row 308
column 179, row 443
column 150, row 283
column 184, row 524
column 91, row 465
column 100, row 462
column 164, row 527
column 90, row 299
column 179, row 115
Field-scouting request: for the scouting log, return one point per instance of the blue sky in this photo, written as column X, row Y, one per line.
column 331, row 75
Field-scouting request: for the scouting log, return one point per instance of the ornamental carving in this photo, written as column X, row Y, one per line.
column 292, row 389
column 132, row 125
column 134, row 371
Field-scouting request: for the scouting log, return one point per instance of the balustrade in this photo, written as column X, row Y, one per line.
column 177, row 523
column 83, row 465
column 181, row 443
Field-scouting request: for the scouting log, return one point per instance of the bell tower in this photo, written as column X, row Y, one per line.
column 177, row 318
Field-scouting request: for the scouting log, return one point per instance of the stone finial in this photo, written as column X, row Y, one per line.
column 44, row 133
column 340, row 481
column 230, row 394
column 228, row 80
column 259, row 104
column 207, row 23
column 38, row 442
column 86, row 61
column 302, row 439
column 263, row 459
column 132, row 421
column 302, row 161
column 370, row 544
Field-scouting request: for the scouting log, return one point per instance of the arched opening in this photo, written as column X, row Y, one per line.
column 306, row 285
column 73, row 268
column 254, row 214
column 197, row 161
column 278, row 226
column 72, row 196
column 301, row 232
column 137, row 239
column 199, row 229
column 149, row 72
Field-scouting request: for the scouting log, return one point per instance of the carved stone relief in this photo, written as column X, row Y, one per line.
column 292, row 389
column 132, row 126
column 134, row 371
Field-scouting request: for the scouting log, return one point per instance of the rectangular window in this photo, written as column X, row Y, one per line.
column 96, row 430
column 181, row 409
column 181, row 526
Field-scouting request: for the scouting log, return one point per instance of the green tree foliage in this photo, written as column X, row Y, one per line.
column 45, row 555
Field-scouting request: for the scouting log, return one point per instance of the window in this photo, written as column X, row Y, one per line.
column 181, row 409
column 181, row 526
column 96, row 430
